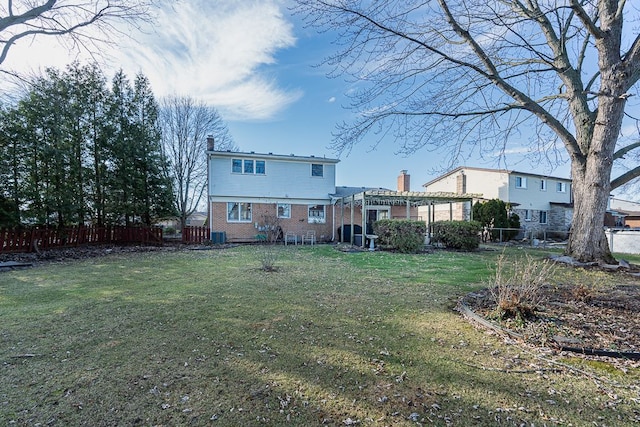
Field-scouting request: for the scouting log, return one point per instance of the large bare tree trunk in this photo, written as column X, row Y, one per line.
column 591, row 174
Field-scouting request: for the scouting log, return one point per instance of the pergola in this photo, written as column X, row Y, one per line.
column 379, row 197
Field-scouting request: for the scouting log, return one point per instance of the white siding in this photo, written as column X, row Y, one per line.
column 533, row 197
column 288, row 179
column 491, row 184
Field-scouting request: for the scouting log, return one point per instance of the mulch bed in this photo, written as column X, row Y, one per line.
column 606, row 319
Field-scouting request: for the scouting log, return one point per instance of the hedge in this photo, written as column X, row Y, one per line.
column 404, row 235
column 462, row 235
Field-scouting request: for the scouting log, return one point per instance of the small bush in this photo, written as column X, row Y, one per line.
column 517, row 289
column 407, row 236
column 268, row 256
column 461, row 235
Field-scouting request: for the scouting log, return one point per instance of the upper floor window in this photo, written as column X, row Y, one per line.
column 543, row 185
column 236, row 166
column 284, row 210
column 561, row 187
column 317, row 169
column 238, row 212
column 521, row 182
column 249, row 167
column 316, row 214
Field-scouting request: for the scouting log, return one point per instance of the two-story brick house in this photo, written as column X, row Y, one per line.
column 541, row 202
column 248, row 190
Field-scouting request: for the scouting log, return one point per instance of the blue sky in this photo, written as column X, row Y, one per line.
column 258, row 65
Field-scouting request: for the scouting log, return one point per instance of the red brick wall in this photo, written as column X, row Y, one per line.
column 246, row 232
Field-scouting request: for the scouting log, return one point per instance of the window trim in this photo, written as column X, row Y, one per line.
column 252, row 162
column 288, row 212
column 543, row 185
column 314, row 175
column 317, row 219
column 527, row 215
column 546, row 217
column 242, row 207
column 523, row 181
column 561, row 187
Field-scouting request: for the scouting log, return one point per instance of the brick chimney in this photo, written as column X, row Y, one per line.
column 404, row 181
column 210, row 143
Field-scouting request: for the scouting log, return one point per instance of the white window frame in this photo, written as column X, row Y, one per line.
column 286, row 209
column 316, row 219
column 315, row 175
column 244, row 212
column 527, row 215
column 543, row 185
column 545, row 215
column 253, row 167
column 522, row 181
column 561, row 187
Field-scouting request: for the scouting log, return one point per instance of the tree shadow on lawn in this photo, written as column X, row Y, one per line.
column 242, row 372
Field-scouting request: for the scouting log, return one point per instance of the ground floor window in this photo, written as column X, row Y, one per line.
column 284, row 210
column 238, row 212
column 527, row 215
column 543, row 217
column 316, row 214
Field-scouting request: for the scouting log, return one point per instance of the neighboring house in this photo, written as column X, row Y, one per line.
column 623, row 213
column 196, row 219
column 542, row 202
column 251, row 191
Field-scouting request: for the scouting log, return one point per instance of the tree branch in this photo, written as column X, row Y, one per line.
column 33, row 13
column 624, row 150
column 586, row 20
column 625, row 178
column 526, row 102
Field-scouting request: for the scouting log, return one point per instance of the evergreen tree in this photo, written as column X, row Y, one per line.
column 153, row 191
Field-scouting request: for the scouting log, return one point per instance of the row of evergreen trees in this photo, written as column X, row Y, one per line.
column 74, row 150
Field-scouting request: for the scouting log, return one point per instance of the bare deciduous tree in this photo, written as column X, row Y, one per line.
column 469, row 75
column 82, row 23
column 186, row 123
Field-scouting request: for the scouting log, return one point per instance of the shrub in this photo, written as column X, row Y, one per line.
column 496, row 214
column 517, row 289
column 268, row 256
column 407, row 236
column 461, row 235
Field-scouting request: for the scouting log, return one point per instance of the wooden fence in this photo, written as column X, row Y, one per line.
column 35, row 239
column 195, row 234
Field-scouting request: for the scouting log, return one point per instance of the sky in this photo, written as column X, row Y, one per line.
column 262, row 69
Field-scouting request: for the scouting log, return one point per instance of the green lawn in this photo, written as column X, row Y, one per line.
column 208, row 338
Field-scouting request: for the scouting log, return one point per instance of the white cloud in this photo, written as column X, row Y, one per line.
column 331, row 100
column 219, row 52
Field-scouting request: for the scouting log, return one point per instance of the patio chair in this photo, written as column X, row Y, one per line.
column 290, row 237
column 309, row 237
